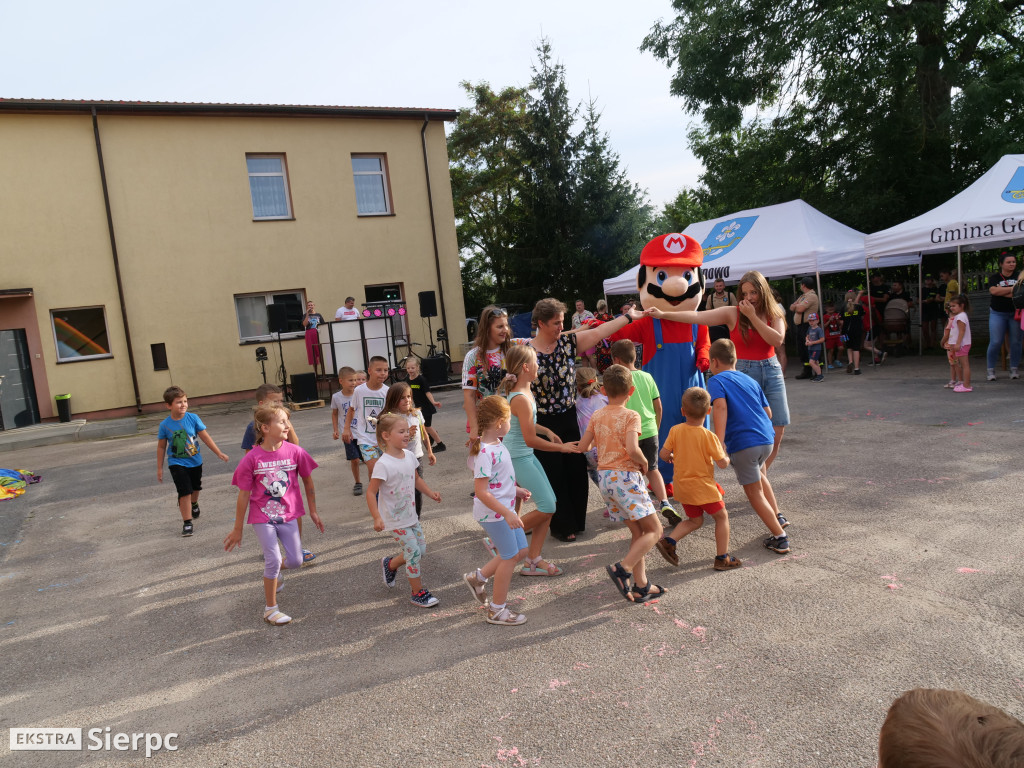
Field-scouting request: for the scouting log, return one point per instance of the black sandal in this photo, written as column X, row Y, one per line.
column 620, row 577
column 644, row 593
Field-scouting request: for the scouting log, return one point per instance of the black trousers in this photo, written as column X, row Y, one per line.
column 801, row 343
column 567, row 473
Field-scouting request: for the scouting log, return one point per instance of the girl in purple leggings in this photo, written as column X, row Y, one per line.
column 267, row 487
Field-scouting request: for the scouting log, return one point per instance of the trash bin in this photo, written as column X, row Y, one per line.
column 63, row 407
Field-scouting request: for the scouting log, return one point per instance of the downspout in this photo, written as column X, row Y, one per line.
column 433, row 230
column 117, row 265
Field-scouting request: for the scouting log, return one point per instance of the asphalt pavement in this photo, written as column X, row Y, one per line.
column 907, row 539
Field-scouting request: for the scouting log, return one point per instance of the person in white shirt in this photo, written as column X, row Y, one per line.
column 349, row 311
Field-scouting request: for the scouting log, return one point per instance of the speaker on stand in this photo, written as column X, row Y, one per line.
column 277, row 321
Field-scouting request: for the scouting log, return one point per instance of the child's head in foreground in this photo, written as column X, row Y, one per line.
column 617, row 380
column 172, row 393
column 934, row 728
column 586, row 381
column 347, row 378
column 269, row 394
column 624, row 352
column 696, row 403
column 723, row 352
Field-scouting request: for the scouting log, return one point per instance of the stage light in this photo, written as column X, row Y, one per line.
column 391, row 311
column 261, row 353
column 378, row 313
column 366, row 313
column 401, row 310
column 442, row 334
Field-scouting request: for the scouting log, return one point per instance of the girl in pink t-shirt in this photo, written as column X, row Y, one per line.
column 267, row 487
column 959, row 344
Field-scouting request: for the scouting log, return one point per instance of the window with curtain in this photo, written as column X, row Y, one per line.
column 371, row 178
column 251, row 311
column 268, row 185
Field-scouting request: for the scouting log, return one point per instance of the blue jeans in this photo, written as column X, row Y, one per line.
column 998, row 324
column 768, row 373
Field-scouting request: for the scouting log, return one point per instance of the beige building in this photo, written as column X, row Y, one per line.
column 143, row 242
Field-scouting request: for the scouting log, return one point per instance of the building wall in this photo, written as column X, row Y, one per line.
column 187, row 242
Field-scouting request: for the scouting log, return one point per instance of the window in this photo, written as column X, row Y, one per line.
column 254, row 314
column 80, row 334
column 268, row 185
column 371, row 176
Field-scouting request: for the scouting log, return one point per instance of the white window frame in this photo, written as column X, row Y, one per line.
column 283, row 175
column 268, row 297
column 79, row 358
column 384, row 179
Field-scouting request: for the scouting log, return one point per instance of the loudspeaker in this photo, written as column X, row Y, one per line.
column 277, row 318
column 304, row 387
column 428, row 304
column 435, row 370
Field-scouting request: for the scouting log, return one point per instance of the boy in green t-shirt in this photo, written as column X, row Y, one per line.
column 646, row 400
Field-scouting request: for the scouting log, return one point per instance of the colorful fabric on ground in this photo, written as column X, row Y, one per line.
column 13, row 482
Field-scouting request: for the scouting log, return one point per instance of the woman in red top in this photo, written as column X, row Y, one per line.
column 756, row 326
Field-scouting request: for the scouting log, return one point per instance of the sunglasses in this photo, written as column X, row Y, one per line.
column 498, row 313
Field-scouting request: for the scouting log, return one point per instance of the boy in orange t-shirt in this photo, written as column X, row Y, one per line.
column 692, row 449
column 621, row 466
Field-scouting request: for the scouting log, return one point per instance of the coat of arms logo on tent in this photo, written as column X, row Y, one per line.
column 1014, row 192
column 726, row 235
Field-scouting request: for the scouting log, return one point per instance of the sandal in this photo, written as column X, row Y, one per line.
column 275, row 617
column 504, row 617
column 489, row 546
column 620, row 577
column 643, row 594
column 727, row 562
column 532, row 568
column 307, row 556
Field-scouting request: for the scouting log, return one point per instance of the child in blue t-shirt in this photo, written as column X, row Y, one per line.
column 742, row 419
column 815, row 346
column 177, row 438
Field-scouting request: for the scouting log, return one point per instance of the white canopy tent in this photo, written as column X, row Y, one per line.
column 988, row 214
column 777, row 240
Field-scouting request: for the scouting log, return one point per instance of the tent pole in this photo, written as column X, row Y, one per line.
column 920, row 307
column 871, row 310
column 821, row 303
column 959, row 270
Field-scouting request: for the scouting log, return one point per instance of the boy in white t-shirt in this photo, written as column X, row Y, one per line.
column 392, row 504
column 340, row 402
column 366, row 405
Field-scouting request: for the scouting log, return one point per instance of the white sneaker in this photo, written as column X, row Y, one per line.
column 1014, row 374
column 990, row 375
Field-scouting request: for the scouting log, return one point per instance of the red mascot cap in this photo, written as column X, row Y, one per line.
column 672, row 250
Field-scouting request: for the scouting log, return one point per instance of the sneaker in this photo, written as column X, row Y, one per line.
column 962, row 388
column 849, row 367
column 668, row 551
column 195, row 510
column 670, row 514
column 423, row 599
column 478, row 587
column 386, row 572
column 782, row 521
column 951, row 385
column 504, row 617
column 438, row 447
column 186, row 528
column 856, row 371
column 778, row 544
column 990, row 375
column 1014, row 374
column 882, row 358
column 357, row 489
column 819, row 377
column 726, row 562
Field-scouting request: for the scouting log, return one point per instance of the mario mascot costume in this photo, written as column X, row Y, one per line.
column 675, row 354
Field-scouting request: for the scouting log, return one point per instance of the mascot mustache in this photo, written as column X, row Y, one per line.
column 691, row 292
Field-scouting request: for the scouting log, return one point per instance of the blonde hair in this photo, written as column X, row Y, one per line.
column 515, row 359
column 386, row 422
column 617, row 380
column 851, row 300
column 396, row 392
column 767, row 308
column 934, row 728
column 586, row 381
column 489, row 411
column 696, row 402
column 261, row 418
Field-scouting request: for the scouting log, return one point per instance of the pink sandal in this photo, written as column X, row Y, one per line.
column 532, row 568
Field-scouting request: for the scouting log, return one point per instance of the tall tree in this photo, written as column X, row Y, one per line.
column 872, row 110
column 487, row 177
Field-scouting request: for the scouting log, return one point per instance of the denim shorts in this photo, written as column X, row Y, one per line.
column 768, row 373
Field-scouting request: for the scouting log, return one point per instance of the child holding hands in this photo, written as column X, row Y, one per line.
column 621, row 469
column 266, row 481
column 395, row 480
column 494, row 483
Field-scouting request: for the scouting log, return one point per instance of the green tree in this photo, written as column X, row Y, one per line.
column 872, row 110
column 487, row 178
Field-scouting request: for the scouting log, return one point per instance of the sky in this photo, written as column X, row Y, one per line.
column 386, row 54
